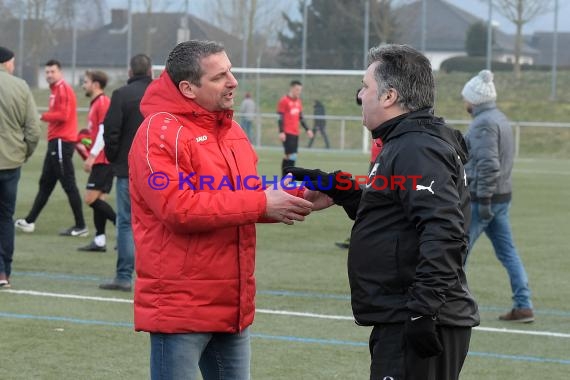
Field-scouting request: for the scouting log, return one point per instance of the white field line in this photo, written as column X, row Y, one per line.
column 277, row 312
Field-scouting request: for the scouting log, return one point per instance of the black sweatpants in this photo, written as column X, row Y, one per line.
column 58, row 166
column 393, row 360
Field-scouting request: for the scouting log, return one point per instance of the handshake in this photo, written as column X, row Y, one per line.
column 338, row 185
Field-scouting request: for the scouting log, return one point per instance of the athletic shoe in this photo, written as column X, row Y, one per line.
column 343, row 244
column 4, row 284
column 92, row 247
column 116, row 285
column 75, row 231
column 24, row 226
column 523, row 315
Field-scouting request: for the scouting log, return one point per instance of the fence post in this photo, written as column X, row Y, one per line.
column 517, row 139
column 342, row 131
column 365, row 139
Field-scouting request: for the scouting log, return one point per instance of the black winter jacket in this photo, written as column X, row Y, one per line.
column 408, row 244
column 122, row 122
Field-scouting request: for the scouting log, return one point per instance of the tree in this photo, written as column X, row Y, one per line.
column 335, row 33
column 476, row 40
column 520, row 12
column 253, row 21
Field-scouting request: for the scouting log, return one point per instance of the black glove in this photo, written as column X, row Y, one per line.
column 421, row 335
column 338, row 185
column 484, row 209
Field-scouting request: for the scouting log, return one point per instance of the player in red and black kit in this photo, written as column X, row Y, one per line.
column 290, row 110
column 58, row 165
column 101, row 174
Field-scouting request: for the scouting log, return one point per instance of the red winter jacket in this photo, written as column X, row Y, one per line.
column 195, row 243
column 62, row 113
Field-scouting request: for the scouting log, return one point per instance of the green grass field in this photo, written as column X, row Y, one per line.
column 57, row 324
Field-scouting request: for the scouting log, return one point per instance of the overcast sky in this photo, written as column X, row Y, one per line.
column 543, row 23
column 479, row 8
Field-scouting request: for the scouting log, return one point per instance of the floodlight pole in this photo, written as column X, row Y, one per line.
column 424, row 27
column 304, row 42
column 20, row 62
column 489, row 35
column 554, row 52
column 73, row 43
column 129, row 32
column 366, row 32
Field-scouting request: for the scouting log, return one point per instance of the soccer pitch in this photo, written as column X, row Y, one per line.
column 57, row 324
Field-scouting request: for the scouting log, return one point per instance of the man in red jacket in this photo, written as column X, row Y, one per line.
column 58, row 164
column 195, row 199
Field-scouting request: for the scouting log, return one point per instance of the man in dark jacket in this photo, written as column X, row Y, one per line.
column 409, row 239
column 121, row 124
column 492, row 152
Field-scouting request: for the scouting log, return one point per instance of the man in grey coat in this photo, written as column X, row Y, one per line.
column 491, row 155
column 19, row 135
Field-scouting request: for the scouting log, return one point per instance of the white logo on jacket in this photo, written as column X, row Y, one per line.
column 428, row 188
column 201, row 138
column 372, row 174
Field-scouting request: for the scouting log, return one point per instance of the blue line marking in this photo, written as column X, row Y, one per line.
column 335, row 342
column 280, row 293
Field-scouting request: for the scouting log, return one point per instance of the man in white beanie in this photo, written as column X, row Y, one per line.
column 491, row 155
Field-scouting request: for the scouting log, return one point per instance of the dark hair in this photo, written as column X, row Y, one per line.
column 140, row 64
column 407, row 71
column 98, row 76
column 53, row 62
column 295, row 83
column 183, row 62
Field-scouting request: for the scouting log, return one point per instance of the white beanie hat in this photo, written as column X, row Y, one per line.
column 480, row 89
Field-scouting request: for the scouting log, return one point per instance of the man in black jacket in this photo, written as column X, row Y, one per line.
column 121, row 124
column 409, row 240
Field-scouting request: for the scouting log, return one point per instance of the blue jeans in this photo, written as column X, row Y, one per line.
column 215, row 355
column 498, row 229
column 125, row 243
column 8, row 189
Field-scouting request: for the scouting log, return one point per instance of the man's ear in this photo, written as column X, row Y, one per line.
column 187, row 89
column 390, row 97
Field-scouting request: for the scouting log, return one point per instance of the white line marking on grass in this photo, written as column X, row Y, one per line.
column 69, row 296
column 278, row 312
column 299, row 314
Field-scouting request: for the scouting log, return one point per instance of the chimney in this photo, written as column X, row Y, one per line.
column 118, row 18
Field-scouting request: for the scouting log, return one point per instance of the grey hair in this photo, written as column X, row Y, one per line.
column 183, row 62
column 407, row 71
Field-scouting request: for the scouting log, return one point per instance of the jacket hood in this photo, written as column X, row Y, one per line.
column 163, row 96
column 422, row 121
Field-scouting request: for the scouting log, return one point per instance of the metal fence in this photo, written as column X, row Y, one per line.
column 346, row 133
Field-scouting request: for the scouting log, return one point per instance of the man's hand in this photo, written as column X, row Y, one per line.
column 88, row 164
column 421, row 335
column 484, row 209
column 284, row 207
column 338, row 185
column 320, row 200
column 282, row 136
column 310, row 133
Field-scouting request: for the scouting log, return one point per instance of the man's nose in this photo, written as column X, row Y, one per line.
column 232, row 81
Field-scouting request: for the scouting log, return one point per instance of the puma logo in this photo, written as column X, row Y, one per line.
column 428, row 188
